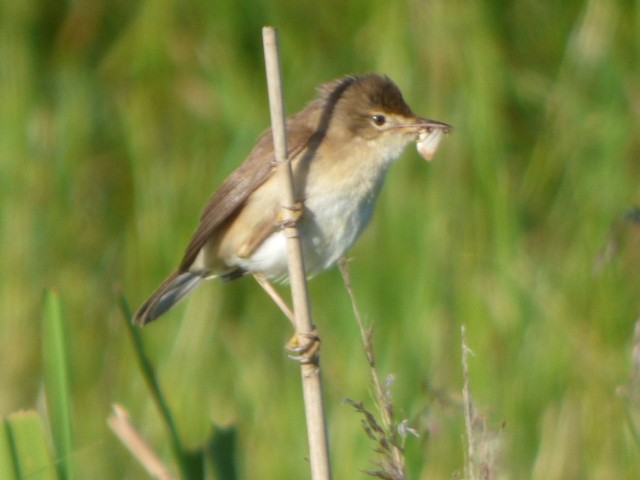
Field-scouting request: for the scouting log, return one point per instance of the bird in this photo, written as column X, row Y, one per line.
column 341, row 146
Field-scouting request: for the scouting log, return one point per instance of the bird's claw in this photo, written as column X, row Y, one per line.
column 291, row 216
column 304, row 347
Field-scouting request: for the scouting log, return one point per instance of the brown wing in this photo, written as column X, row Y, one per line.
column 235, row 190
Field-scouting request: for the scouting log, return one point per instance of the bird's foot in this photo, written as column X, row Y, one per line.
column 304, row 347
column 289, row 216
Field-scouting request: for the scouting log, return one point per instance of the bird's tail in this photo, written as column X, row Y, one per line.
column 172, row 290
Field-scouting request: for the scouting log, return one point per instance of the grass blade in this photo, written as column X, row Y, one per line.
column 7, row 466
column 221, row 452
column 56, row 379
column 25, row 437
column 191, row 470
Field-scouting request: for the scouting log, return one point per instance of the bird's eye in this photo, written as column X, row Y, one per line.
column 378, row 120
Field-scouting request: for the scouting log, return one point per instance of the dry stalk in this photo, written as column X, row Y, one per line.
column 630, row 392
column 388, row 435
column 121, row 424
column 311, row 382
column 468, row 409
column 482, row 444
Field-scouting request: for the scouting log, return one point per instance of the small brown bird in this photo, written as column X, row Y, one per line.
column 340, row 147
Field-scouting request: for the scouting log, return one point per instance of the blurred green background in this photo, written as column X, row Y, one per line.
column 118, row 119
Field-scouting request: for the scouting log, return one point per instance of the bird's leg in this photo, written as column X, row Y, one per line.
column 249, row 247
column 303, row 347
column 275, row 296
column 297, row 210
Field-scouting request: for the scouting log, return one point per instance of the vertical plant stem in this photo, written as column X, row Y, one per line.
column 311, row 381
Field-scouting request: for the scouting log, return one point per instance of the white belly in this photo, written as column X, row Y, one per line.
column 330, row 225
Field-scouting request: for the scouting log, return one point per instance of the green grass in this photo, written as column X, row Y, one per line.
column 118, row 120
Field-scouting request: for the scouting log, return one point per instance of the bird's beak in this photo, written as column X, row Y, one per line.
column 423, row 124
